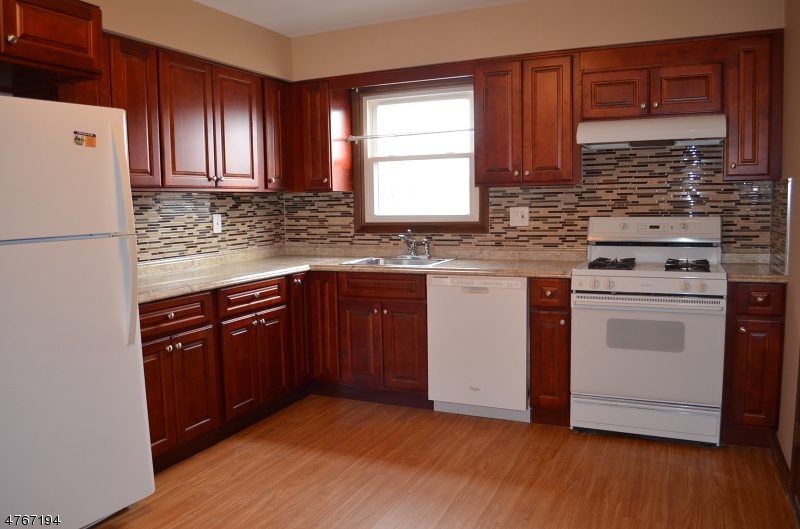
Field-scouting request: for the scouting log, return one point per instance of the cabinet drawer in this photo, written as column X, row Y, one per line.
column 251, row 297
column 549, row 293
column 171, row 315
column 760, row 298
column 381, row 286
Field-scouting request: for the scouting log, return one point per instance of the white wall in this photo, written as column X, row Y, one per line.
column 791, row 169
column 525, row 27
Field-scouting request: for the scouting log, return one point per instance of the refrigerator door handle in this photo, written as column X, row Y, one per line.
column 120, row 143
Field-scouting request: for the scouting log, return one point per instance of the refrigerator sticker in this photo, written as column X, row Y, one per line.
column 85, row 139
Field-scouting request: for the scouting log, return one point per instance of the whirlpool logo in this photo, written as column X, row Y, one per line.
column 473, row 388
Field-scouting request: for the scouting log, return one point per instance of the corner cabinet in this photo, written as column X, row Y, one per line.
column 524, row 123
column 550, row 351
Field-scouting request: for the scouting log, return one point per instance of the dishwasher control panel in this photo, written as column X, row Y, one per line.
column 477, row 282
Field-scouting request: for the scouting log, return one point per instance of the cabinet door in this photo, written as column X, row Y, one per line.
column 160, row 394
column 134, row 73
column 547, row 139
column 323, row 325
column 617, row 94
column 273, row 353
column 757, row 352
column 187, row 121
column 360, row 343
column 748, row 93
column 276, row 101
column 301, row 354
column 197, row 402
column 498, row 123
column 686, row 89
column 550, row 359
column 95, row 92
column 237, row 119
column 240, row 365
column 62, row 34
column 405, row 346
column 315, row 125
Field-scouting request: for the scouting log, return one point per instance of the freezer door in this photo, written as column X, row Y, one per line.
column 55, row 182
column 74, row 440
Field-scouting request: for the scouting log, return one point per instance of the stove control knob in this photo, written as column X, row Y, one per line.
column 594, row 283
column 683, row 226
column 685, row 286
column 623, row 226
column 609, row 283
column 702, row 287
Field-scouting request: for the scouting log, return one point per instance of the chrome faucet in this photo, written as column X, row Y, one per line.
column 411, row 244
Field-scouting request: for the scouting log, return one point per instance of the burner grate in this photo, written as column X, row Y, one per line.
column 604, row 263
column 685, row 265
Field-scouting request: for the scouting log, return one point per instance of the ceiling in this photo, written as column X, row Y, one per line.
column 295, row 18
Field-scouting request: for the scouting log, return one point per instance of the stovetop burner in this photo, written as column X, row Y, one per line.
column 685, row 265
column 605, row 263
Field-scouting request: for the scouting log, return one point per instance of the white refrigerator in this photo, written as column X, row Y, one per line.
column 74, row 437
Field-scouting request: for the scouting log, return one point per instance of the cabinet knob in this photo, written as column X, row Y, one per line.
column 255, row 323
column 562, row 322
column 516, row 173
column 742, row 330
column 642, row 106
column 171, row 316
column 324, row 180
column 262, row 321
column 374, row 311
column 11, row 39
column 760, row 299
column 298, row 282
column 211, row 178
column 385, row 311
column 221, row 178
column 271, row 180
column 733, row 166
column 257, row 295
column 547, row 293
column 169, row 348
column 179, row 345
column 655, row 104
column 527, row 173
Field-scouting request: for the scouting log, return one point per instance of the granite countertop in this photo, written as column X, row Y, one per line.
column 182, row 280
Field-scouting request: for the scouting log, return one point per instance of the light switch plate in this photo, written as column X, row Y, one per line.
column 519, row 216
column 216, row 222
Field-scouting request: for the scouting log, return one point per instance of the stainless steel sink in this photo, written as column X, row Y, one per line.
column 397, row 261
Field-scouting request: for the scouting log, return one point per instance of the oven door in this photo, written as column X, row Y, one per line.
column 657, row 349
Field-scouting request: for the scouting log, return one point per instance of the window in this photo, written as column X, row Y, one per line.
column 415, row 161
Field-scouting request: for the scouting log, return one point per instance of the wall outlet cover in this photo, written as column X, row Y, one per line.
column 519, row 216
column 216, row 222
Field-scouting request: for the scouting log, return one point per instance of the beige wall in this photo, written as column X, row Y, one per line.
column 525, row 27
column 791, row 169
column 194, row 28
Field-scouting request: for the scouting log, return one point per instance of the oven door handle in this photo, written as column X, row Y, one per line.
column 650, row 307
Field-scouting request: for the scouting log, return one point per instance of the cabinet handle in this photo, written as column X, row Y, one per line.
column 527, row 173
column 733, row 166
column 374, row 311
column 262, row 321
column 760, row 299
column 324, row 180
column 179, row 345
column 271, row 180
column 11, row 39
column 255, row 323
column 655, row 104
column 171, row 316
column 642, row 106
column 221, row 178
column 169, row 348
column 298, row 282
column 547, row 293
column 385, row 311
column 516, row 173
column 562, row 322
column 257, row 295
column 742, row 330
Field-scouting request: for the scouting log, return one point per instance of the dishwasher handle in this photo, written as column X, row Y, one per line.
column 475, row 290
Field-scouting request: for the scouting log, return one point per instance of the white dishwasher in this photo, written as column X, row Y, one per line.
column 478, row 347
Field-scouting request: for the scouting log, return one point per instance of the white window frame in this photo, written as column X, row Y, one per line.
column 369, row 112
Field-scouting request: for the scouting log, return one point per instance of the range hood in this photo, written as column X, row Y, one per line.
column 626, row 133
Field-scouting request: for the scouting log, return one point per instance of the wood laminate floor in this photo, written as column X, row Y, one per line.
column 331, row 463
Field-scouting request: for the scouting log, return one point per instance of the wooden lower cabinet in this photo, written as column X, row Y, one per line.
column 158, row 383
column 405, row 346
column 255, row 357
column 323, row 325
column 360, row 346
column 301, row 353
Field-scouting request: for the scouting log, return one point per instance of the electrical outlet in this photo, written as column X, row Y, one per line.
column 519, row 216
column 216, row 222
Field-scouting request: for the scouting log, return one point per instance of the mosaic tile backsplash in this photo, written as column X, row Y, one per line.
column 637, row 182
column 780, row 225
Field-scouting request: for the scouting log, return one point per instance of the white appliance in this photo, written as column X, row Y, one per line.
column 478, row 346
column 708, row 129
column 74, row 438
column 648, row 328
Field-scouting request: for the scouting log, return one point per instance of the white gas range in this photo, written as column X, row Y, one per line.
column 648, row 328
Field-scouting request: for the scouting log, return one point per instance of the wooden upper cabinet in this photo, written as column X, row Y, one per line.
column 617, row 94
column 547, row 132
column 686, row 89
column 134, row 79
column 237, row 120
column 498, row 123
column 65, row 34
column 316, row 136
column 749, row 108
column 95, row 92
column 187, row 121
column 276, row 108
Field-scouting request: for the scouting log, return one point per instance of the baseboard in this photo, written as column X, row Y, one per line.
column 378, row 396
column 226, row 429
column 746, row 436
